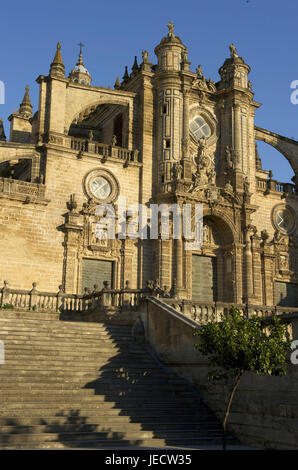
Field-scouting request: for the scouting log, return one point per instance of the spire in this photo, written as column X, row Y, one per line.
column 57, row 67
column 26, row 106
column 117, row 84
column 80, row 74
column 2, row 133
column 125, row 76
column 135, row 66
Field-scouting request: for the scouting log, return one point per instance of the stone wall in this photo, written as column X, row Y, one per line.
column 264, row 412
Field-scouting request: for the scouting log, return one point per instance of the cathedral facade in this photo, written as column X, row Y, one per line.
column 163, row 135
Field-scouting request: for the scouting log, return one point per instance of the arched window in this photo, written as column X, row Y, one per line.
column 199, row 128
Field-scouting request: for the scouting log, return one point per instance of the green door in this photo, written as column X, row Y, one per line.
column 204, row 280
column 96, row 271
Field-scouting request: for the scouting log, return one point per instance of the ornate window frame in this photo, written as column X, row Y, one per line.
column 197, row 111
column 292, row 214
column 108, row 175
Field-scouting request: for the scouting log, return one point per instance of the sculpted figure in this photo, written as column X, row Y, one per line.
column 233, row 50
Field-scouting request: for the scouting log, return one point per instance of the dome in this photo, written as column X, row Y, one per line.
column 80, row 74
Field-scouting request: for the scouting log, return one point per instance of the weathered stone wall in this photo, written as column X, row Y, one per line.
column 264, row 412
column 32, row 239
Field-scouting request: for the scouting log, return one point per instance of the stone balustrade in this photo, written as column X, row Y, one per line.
column 23, row 189
column 114, row 299
column 203, row 313
column 124, row 299
column 105, row 151
column 265, row 185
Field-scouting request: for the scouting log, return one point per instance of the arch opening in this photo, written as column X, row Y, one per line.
column 103, row 123
column 268, row 158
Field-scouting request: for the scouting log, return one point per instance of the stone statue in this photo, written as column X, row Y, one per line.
column 211, row 85
column 145, row 56
column 229, row 160
column 177, row 171
column 114, row 140
column 202, row 145
column 233, row 50
column 199, row 71
column 171, row 29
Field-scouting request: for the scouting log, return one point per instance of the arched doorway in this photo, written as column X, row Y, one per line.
column 213, row 273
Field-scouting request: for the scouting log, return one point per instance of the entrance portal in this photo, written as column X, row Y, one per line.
column 204, row 279
column 96, row 271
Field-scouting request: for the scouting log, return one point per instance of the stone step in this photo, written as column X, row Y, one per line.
column 123, row 405
column 79, row 361
column 75, row 384
column 51, row 319
column 50, row 354
column 14, row 343
column 107, row 369
column 60, row 335
column 108, row 434
column 119, row 443
column 63, row 325
column 96, row 385
column 143, row 420
column 108, row 411
column 54, row 427
column 90, row 396
column 108, row 374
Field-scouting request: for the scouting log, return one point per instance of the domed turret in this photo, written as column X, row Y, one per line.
column 234, row 71
column 171, row 52
column 80, row 74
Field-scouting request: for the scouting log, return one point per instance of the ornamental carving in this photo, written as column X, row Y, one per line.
column 205, row 166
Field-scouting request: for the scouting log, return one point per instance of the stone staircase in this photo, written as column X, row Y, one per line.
column 67, row 384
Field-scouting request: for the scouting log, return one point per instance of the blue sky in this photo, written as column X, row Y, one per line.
column 264, row 31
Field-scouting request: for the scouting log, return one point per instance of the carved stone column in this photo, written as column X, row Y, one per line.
column 73, row 230
column 237, row 135
column 178, row 260
column 187, row 174
column 238, row 270
column 248, row 279
column 257, row 270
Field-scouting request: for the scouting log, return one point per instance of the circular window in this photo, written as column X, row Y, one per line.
column 199, row 128
column 283, row 219
column 101, row 185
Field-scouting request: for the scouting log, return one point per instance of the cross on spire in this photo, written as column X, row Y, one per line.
column 81, row 46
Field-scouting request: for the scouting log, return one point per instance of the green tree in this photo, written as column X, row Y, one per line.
column 238, row 344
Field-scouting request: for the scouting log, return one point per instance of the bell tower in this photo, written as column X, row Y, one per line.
column 237, row 119
column 172, row 58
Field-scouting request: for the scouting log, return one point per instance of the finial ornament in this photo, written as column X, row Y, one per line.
column 2, row 133
column 171, row 29
column 26, row 106
column 233, row 50
column 57, row 66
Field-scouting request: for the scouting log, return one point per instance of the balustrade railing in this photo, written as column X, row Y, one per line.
column 62, row 302
column 104, row 150
column 124, row 299
column 23, row 188
column 264, row 184
column 202, row 312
